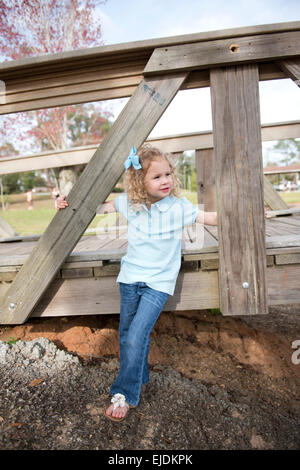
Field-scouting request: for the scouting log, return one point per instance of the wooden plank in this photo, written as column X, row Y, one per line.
column 291, row 68
column 73, row 59
column 284, row 250
column 239, row 182
column 288, row 259
column 206, row 189
column 290, row 210
column 86, row 296
column 283, row 241
column 93, row 187
column 196, row 79
column 83, row 75
column 194, row 291
column 77, row 272
column 80, row 63
column 205, row 172
column 6, row 231
column 223, row 52
column 272, row 198
column 172, row 143
column 283, row 284
column 280, row 227
column 76, row 89
column 294, row 221
column 81, row 97
column 19, row 238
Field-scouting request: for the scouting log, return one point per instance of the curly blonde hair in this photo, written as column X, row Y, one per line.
column 134, row 179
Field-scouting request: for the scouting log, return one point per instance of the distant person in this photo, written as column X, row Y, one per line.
column 29, row 199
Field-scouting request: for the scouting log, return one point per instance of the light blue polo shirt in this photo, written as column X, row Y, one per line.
column 154, row 241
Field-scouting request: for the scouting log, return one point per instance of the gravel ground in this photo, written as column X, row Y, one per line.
column 50, row 399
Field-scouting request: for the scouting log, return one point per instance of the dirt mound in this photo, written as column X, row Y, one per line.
column 193, row 342
column 215, row 383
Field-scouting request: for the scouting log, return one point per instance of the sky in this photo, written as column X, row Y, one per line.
column 190, row 111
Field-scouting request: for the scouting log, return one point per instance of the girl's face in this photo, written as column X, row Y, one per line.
column 158, row 180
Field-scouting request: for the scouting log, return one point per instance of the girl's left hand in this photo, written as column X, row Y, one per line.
column 60, row 202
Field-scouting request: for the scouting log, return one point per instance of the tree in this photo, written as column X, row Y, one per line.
column 290, row 149
column 187, row 171
column 38, row 27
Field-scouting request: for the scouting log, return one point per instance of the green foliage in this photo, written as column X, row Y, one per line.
column 11, row 183
column 290, row 150
column 186, row 171
column 118, row 190
column 215, row 311
column 12, row 340
column 21, row 182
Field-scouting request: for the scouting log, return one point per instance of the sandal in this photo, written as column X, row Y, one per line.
column 119, row 401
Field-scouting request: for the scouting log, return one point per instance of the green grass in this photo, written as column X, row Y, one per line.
column 36, row 221
column 292, row 197
column 27, row 222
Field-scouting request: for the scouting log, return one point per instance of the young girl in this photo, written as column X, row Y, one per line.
column 156, row 217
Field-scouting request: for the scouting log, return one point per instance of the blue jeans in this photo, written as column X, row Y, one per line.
column 140, row 308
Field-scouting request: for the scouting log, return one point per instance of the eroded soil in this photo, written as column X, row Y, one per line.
column 215, row 383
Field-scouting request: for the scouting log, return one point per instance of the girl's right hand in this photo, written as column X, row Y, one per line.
column 61, row 203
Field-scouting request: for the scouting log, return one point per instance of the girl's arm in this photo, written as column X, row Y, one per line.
column 61, row 203
column 211, row 218
column 207, row 218
column 107, row 207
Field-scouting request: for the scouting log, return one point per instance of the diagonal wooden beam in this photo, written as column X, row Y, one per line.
column 6, row 230
column 272, row 197
column 239, row 185
column 291, row 68
column 132, row 127
column 201, row 55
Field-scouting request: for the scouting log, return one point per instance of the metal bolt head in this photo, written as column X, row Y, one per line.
column 12, row 306
column 245, row 285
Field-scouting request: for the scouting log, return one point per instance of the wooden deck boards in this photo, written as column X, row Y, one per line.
column 283, row 227
column 86, row 282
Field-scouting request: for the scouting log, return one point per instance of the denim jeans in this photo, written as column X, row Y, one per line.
column 140, row 308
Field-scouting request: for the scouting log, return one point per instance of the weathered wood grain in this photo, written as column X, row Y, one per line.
column 239, row 183
column 272, row 198
column 93, row 187
column 6, row 230
column 206, row 182
column 222, row 52
column 194, row 291
column 288, row 210
column 291, row 68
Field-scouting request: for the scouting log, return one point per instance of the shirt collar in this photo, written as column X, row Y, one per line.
column 163, row 205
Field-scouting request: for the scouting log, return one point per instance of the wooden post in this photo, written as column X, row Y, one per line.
column 206, row 184
column 239, row 184
column 206, row 187
column 132, row 127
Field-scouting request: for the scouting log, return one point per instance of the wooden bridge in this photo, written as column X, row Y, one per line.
column 246, row 263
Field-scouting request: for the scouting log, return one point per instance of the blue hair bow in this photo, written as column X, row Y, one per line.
column 132, row 159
